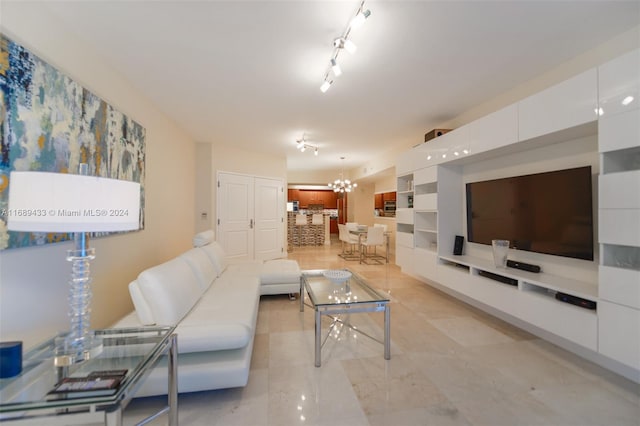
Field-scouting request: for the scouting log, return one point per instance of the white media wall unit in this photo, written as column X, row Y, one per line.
column 591, row 119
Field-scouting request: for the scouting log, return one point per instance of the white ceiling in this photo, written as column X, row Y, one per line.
column 248, row 73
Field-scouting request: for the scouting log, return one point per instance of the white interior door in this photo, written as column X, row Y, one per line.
column 269, row 218
column 250, row 216
column 235, row 215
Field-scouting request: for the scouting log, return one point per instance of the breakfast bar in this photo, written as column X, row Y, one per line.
column 307, row 229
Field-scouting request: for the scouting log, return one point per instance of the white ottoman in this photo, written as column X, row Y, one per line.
column 280, row 276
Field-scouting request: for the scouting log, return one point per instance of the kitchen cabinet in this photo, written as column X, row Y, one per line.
column 389, row 196
column 328, row 199
column 379, row 201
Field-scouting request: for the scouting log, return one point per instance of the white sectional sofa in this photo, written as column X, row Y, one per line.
column 214, row 305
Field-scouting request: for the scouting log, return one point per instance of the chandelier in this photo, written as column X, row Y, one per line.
column 342, row 185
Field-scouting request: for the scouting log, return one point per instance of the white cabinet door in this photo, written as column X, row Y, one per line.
column 425, row 263
column 619, row 190
column 619, row 333
column 619, row 226
column 404, row 239
column 404, row 258
column 619, row 131
column 450, row 146
column 619, row 84
column 425, row 175
column 494, row 130
column 619, row 285
column 568, row 104
column 405, row 162
column 426, row 202
column 404, row 216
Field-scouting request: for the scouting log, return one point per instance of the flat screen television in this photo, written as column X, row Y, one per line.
column 547, row 212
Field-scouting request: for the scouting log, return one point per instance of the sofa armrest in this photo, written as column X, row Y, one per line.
column 142, row 309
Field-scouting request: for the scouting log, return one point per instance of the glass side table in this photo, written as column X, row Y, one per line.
column 24, row 399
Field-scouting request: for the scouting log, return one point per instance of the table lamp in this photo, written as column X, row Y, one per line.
column 67, row 203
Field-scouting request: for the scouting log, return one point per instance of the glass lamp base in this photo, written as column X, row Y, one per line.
column 70, row 350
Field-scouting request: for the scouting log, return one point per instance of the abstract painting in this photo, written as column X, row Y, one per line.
column 48, row 122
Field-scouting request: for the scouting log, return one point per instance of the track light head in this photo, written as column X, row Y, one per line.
column 315, row 152
column 337, row 71
column 350, row 47
column 325, row 85
column 359, row 19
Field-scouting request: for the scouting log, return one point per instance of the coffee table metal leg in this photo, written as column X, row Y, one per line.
column 318, row 338
column 387, row 332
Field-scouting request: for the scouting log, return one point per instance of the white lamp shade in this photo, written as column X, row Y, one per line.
column 58, row 202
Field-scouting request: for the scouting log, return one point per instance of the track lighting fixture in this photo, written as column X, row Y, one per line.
column 303, row 145
column 343, row 43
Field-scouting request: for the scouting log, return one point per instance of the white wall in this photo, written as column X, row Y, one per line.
column 204, row 181
column 33, row 287
column 315, row 177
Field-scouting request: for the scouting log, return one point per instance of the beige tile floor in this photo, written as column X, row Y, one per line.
column 451, row 364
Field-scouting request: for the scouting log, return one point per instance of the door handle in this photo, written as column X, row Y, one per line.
column 251, row 224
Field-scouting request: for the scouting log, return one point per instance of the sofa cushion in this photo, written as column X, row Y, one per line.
column 203, row 238
column 143, row 311
column 171, row 289
column 217, row 255
column 225, row 316
column 201, row 266
column 280, row 271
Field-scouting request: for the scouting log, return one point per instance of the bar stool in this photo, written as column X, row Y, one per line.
column 301, row 220
column 316, row 220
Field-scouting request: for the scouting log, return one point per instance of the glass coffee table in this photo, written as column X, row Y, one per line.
column 339, row 295
column 26, row 400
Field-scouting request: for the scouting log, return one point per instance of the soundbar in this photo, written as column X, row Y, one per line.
column 575, row 300
column 496, row 277
column 523, row 266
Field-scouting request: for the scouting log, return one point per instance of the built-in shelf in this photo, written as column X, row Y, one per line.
column 625, row 257
column 426, row 188
column 404, row 192
column 622, row 160
column 528, row 280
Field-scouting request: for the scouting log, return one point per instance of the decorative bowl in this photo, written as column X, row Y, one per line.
column 337, row 276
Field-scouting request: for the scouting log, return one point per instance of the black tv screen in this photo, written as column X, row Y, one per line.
column 547, row 213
